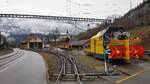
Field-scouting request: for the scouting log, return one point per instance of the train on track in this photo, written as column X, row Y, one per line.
column 115, row 44
column 112, row 43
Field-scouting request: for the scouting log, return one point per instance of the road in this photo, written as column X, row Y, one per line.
column 27, row 69
column 139, row 78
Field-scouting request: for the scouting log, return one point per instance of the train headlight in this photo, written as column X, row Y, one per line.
column 118, row 51
column 135, row 51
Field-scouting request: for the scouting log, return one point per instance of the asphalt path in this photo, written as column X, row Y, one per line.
column 27, row 69
column 141, row 77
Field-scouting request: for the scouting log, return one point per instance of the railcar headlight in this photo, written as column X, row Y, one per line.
column 135, row 51
column 118, row 51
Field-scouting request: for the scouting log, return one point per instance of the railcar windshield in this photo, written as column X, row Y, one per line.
column 120, row 35
column 116, row 33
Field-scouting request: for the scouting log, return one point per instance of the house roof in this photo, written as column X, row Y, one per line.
column 80, row 42
column 29, row 37
column 100, row 33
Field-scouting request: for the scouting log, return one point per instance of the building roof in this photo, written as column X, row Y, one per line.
column 29, row 37
column 100, row 33
column 78, row 43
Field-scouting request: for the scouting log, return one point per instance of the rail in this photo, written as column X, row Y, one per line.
column 10, row 58
column 58, row 80
column 66, row 57
column 7, row 56
column 68, row 61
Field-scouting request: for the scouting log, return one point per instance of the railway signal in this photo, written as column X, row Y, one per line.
column 108, row 51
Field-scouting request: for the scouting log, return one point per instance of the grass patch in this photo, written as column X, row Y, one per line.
column 5, row 51
column 91, row 62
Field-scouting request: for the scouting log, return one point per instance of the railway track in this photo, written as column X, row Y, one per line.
column 4, row 60
column 69, row 69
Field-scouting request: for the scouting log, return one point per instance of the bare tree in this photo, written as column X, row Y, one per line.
column 56, row 35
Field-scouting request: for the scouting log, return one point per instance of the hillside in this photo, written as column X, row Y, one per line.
column 139, row 16
column 136, row 20
column 91, row 32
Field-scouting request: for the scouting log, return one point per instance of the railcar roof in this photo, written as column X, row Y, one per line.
column 100, row 33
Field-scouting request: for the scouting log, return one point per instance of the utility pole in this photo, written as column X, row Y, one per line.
column 69, row 8
column 130, row 4
column 0, row 37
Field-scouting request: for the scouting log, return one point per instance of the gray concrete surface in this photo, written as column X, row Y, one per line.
column 28, row 69
column 141, row 78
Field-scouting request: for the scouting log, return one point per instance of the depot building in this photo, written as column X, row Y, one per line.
column 32, row 41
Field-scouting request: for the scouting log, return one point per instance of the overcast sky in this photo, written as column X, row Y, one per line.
column 98, row 8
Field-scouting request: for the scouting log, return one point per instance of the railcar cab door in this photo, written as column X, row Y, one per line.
column 114, row 33
column 116, row 39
